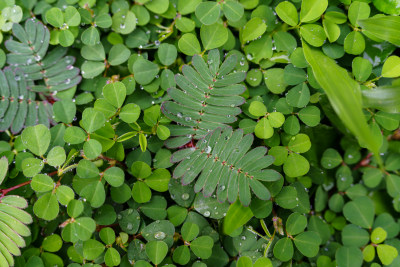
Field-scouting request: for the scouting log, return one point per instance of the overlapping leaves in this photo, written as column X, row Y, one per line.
column 13, row 221
column 30, row 54
column 18, row 106
column 207, row 98
column 224, row 164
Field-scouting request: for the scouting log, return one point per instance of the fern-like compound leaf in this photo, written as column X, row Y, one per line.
column 207, row 96
column 13, row 221
column 223, row 162
column 18, row 105
column 29, row 54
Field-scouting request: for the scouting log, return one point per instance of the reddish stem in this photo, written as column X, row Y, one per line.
column 5, row 191
column 364, row 162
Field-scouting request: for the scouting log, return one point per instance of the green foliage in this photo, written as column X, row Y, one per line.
column 208, row 98
column 199, row 133
column 13, row 222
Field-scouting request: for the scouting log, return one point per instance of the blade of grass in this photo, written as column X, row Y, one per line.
column 344, row 94
column 385, row 98
column 386, row 28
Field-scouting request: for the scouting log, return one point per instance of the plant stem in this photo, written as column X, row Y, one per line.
column 71, row 167
column 7, row 190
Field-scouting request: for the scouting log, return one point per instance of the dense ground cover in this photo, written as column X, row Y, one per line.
column 199, row 133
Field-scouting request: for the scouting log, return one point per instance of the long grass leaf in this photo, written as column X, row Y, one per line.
column 344, row 95
column 386, row 98
column 386, row 28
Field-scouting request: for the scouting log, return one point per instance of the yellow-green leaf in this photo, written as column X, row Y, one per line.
column 344, row 95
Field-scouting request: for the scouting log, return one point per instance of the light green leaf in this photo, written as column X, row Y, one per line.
column 300, row 143
column 296, row 223
column 56, row 156
column 115, row 93
column 189, row 231
column 189, row 45
column 46, row 207
column 208, row 12
column 257, row 108
column 296, row 165
column 114, row 176
column 142, row 142
column 92, row 148
column 253, row 29
column 92, row 249
column 358, row 10
column 141, row 193
column 354, row 43
column 163, row 132
column 42, row 183
column 263, row 129
column 92, row 120
column 213, row 36
column 391, row 67
column 344, row 95
column 72, row 17
column 90, row 36
column 64, row 111
column 314, row 34
column 156, row 251
column 386, row 253
column 36, row 139
column 360, row 211
column 124, row 22
column 236, row 217
column 118, row 54
column 52, row 243
column 130, row 113
column 144, row 70
column 378, row 235
column 312, row 9
column 244, row 261
column 233, row 10
column 55, row 17
column 287, row 12
column 112, row 257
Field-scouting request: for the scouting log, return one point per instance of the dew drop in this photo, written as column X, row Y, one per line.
column 159, row 235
